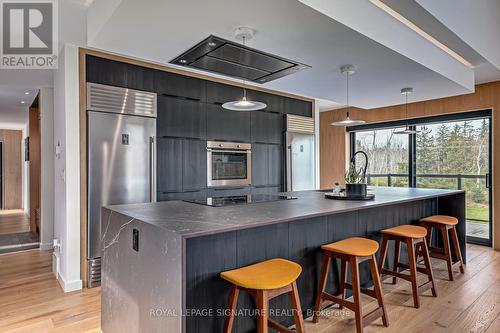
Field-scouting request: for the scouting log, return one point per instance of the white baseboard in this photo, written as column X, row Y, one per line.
column 46, row 246
column 69, row 286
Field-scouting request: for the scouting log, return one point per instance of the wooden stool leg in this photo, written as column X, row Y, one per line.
column 456, row 248
column 356, row 293
column 383, row 254
column 263, row 307
column 343, row 275
column 297, row 309
column 233, row 301
column 413, row 271
column 427, row 261
column 377, row 286
column 428, row 237
column 397, row 248
column 322, row 283
column 447, row 252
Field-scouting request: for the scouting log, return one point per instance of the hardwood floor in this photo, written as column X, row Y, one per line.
column 32, row 301
column 13, row 221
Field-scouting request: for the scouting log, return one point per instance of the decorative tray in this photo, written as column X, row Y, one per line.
column 343, row 196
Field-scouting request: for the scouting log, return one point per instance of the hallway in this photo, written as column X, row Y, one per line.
column 15, row 234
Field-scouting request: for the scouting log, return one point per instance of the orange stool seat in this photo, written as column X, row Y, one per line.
column 407, row 231
column 441, row 219
column 266, row 275
column 355, row 246
column 265, row 280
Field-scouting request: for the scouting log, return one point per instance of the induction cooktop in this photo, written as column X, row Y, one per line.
column 240, row 199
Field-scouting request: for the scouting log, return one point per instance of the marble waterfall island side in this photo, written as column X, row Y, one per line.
column 167, row 280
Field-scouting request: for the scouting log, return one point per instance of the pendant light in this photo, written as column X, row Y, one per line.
column 406, row 91
column 348, row 70
column 244, row 104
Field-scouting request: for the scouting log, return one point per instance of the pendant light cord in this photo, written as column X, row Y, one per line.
column 244, row 81
column 347, row 90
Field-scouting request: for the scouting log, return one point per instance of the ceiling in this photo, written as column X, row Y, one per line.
column 13, row 114
column 322, row 34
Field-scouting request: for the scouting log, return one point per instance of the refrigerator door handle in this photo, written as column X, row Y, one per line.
column 152, row 168
column 290, row 168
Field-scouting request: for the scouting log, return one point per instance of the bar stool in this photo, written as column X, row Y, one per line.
column 445, row 224
column 416, row 243
column 265, row 280
column 353, row 251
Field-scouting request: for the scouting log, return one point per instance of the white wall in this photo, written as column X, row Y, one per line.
column 67, row 168
column 46, row 106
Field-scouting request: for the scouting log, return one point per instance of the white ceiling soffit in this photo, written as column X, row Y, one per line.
column 160, row 30
column 98, row 14
column 371, row 18
column 13, row 114
column 477, row 22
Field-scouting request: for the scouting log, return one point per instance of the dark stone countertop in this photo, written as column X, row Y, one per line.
column 194, row 220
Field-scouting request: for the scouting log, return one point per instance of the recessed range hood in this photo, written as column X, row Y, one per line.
column 218, row 55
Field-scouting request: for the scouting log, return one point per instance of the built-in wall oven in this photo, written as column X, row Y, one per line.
column 229, row 164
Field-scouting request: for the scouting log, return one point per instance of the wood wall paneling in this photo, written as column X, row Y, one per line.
column 334, row 143
column 12, row 168
column 35, row 166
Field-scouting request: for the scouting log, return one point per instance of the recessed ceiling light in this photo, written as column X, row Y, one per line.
column 211, row 44
column 26, row 92
column 183, row 61
column 22, row 102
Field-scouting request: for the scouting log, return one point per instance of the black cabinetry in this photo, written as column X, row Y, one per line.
column 182, row 165
column 267, row 164
column 179, row 117
column 114, row 73
column 194, row 163
column 169, row 164
column 266, row 127
column 227, row 125
column 179, row 86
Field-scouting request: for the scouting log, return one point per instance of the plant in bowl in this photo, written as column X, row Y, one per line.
column 355, row 177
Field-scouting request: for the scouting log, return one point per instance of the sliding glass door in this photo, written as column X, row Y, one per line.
column 456, row 155
column 447, row 152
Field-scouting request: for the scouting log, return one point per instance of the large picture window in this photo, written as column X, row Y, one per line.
column 450, row 152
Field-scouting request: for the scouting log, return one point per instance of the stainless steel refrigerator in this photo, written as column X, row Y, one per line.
column 300, row 154
column 121, row 129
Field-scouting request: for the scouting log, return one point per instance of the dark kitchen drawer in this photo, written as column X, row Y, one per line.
column 228, row 192
column 181, row 118
column 267, row 190
column 194, row 195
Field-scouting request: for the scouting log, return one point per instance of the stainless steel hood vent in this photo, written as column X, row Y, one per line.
column 217, row 55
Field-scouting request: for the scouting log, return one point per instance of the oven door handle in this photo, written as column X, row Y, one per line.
column 228, row 151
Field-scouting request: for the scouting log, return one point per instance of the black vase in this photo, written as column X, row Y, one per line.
column 356, row 190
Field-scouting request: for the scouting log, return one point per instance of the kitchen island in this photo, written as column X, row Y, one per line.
column 161, row 263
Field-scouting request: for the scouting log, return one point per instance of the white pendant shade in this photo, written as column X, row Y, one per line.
column 407, row 130
column 348, row 70
column 348, row 122
column 244, row 105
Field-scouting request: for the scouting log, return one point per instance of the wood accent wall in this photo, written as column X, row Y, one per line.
column 334, row 143
column 35, row 167
column 12, row 168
